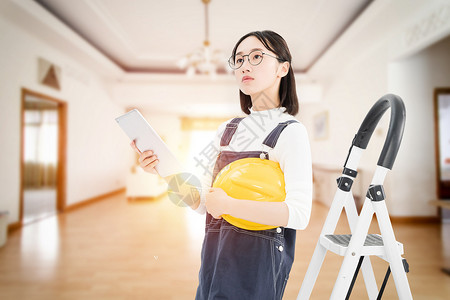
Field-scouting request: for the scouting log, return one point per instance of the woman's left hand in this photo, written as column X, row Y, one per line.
column 217, row 202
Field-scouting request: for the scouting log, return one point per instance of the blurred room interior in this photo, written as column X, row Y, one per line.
column 84, row 221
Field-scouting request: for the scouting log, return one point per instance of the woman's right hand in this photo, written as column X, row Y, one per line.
column 147, row 160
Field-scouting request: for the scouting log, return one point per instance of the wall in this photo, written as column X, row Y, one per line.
column 360, row 67
column 95, row 163
column 179, row 95
column 415, row 78
column 163, row 99
column 372, row 59
column 347, row 98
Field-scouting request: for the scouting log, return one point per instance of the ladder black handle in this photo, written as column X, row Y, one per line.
column 395, row 132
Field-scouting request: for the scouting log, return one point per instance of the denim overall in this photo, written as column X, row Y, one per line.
column 244, row 264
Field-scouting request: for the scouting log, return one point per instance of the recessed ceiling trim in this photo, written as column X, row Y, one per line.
column 338, row 35
column 102, row 12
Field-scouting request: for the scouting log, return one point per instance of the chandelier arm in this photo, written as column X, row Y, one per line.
column 206, row 42
column 204, row 60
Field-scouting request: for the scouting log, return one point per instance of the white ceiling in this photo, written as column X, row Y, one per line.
column 151, row 36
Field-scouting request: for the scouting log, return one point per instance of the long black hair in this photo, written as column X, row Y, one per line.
column 276, row 44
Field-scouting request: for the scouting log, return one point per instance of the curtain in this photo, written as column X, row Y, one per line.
column 41, row 148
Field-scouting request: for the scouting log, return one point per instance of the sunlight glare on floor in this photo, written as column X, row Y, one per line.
column 40, row 245
column 196, row 227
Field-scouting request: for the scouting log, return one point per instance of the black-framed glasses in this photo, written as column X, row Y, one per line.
column 254, row 58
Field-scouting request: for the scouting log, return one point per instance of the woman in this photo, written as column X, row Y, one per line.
column 246, row 264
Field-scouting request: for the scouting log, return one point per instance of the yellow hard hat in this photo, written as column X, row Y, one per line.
column 252, row 179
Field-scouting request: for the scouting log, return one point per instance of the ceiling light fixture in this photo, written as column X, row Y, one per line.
column 203, row 60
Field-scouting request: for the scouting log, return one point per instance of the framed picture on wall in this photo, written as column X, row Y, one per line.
column 442, row 140
column 49, row 74
column 320, row 123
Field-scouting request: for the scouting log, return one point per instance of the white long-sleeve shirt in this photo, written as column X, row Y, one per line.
column 292, row 152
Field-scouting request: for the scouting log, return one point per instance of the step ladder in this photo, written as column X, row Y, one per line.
column 357, row 247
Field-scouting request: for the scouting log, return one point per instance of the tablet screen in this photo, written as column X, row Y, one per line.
column 146, row 138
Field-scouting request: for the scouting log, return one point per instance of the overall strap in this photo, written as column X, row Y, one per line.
column 229, row 131
column 272, row 138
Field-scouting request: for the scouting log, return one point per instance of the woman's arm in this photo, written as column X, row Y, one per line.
column 148, row 160
column 269, row 213
column 293, row 153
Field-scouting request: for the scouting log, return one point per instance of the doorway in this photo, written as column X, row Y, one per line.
column 43, row 156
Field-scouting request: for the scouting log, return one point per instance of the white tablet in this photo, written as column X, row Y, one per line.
column 138, row 129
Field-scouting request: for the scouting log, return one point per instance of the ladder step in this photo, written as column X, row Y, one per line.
column 344, row 239
column 338, row 243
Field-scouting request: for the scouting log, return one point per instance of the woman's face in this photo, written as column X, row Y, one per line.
column 253, row 80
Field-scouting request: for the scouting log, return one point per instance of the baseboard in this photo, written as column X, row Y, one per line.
column 147, row 198
column 89, row 201
column 14, row 226
column 415, row 219
column 319, row 202
column 17, row 225
column 398, row 219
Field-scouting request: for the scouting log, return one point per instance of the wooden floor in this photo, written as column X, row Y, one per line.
column 115, row 249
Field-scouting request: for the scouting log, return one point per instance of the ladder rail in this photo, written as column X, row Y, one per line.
column 353, row 253
column 393, row 254
column 352, row 162
column 318, row 257
column 341, row 199
column 352, row 246
column 312, row 272
column 355, row 275
column 366, row 268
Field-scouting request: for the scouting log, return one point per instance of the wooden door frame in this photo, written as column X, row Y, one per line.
column 442, row 188
column 62, row 142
